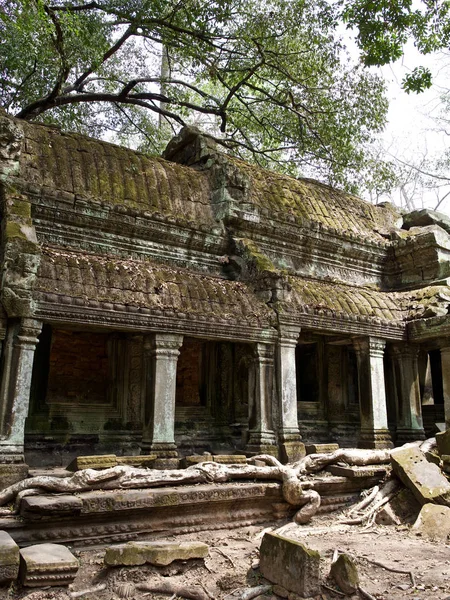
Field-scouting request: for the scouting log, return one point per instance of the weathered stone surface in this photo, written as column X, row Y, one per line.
column 424, row 217
column 195, row 459
column 230, row 459
column 47, row 564
column 166, row 463
column 345, row 574
column 433, row 458
column 424, row 479
column 403, row 508
column 433, row 522
column 352, row 472
column 40, row 506
column 443, row 442
column 321, row 448
column 93, row 462
column 446, row 463
column 12, row 473
column 143, row 460
column 9, row 558
column 290, row 564
column 155, row 553
column 386, row 516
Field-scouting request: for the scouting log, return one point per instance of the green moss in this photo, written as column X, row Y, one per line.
column 256, row 256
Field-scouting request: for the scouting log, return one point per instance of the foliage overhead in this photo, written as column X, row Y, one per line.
column 383, row 28
column 270, row 79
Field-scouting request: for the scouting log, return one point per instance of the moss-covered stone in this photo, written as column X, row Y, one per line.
column 345, row 574
column 156, row 553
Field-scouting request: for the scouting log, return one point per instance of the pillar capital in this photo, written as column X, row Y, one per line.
column 288, row 335
column 372, row 346
column 405, row 351
column 163, row 343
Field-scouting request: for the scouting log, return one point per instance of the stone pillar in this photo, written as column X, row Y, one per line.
column 161, row 351
column 409, row 421
column 445, row 359
column 374, row 432
column 261, row 433
column 290, row 446
column 15, row 398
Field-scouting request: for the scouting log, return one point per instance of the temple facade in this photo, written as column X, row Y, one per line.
column 197, row 303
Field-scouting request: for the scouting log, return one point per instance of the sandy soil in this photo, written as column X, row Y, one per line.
column 232, row 565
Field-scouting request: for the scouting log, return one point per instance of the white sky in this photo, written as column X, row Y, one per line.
column 412, row 133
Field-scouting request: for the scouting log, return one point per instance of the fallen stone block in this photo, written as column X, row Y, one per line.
column 443, row 442
column 321, row 448
column 36, row 507
column 446, row 463
column 345, row 574
column 47, row 564
column 156, row 553
column 290, row 564
column 402, row 508
column 424, row 479
column 93, row 462
column 433, row 522
column 9, row 558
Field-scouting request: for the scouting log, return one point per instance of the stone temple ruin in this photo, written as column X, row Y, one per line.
column 197, row 303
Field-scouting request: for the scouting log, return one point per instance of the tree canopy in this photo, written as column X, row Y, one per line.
column 384, row 27
column 271, row 80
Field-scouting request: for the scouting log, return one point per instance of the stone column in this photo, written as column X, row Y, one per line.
column 15, row 398
column 445, row 360
column 374, row 432
column 261, row 433
column 290, row 446
column 161, row 351
column 409, row 422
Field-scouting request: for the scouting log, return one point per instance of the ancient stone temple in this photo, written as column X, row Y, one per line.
column 197, row 303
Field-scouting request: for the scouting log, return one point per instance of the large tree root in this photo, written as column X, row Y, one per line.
column 295, row 490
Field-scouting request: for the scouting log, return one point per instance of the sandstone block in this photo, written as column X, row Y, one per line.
column 47, row 564
column 345, row 574
column 230, row 459
column 443, row 442
column 156, row 553
column 141, row 461
column 321, row 448
column 195, row 459
column 166, row 463
column 292, row 451
column 446, row 463
column 423, row 478
column 9, row 558
column 40, row 506
column 12, row 473
column 433, row 522
column 93, row 462
column 290, row 564
column 403, row 508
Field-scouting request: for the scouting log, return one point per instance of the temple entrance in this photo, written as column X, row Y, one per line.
column 211, row 406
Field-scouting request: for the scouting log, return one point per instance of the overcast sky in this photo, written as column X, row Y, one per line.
column 413, row 134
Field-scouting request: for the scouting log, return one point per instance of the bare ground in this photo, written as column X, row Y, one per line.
column 232, row 565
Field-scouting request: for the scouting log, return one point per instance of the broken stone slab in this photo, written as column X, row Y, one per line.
column 402, row 508
column 156, row 553
column 443, row 442
column 424, row 479
column 36, row 507
column 290, row 564
column 47, row 564
column 424, row 217
column 9, row 558
column 353, row 472
column 433, row 522
column 321, row 448
column 345, row 574
column 93, row 462
column 230, row 459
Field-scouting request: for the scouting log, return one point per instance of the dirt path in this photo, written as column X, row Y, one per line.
column 233, row 559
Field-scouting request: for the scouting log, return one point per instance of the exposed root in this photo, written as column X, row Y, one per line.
column 367, row 510
column 166, row 587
